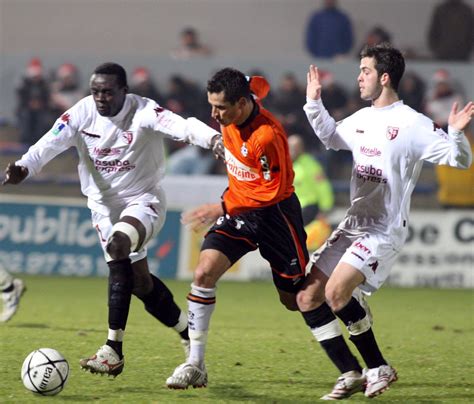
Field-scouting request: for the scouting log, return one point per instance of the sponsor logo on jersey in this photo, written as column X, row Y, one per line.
column 362, row 247
column 370, row 151
column 58, row 128
column 239, row 170
column 392, row 132
column 370, row 173
column 360, row 131
column 128, row 136
column 374, row 266
column 111, row 166
column 106, row 151
column 61, row 124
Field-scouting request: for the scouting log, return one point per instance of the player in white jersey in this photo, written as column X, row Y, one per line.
column 389, row 142
column 119, row 139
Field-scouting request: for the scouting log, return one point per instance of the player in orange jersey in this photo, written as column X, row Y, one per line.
column 259, row 209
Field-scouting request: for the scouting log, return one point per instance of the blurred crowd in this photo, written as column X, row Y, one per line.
column 42, row 97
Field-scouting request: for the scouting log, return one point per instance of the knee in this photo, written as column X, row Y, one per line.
column 336, row 297
column 309, row 299
column 118, row 246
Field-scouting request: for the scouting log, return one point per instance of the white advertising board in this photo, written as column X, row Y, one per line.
column 439, row 252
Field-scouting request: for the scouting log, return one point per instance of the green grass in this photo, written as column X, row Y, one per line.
column 257, row 353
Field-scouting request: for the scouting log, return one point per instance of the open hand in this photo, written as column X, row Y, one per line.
column 202, row 216
column 460, row 119
column 313, row 88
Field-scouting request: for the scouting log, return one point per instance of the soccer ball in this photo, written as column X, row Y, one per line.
column 45, row 372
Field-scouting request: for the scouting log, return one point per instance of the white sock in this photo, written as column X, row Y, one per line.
column 201, row 304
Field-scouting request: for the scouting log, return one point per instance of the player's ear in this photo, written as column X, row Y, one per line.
column 385, row 79
column 242, row 102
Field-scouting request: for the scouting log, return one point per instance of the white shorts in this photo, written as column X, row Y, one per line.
column 371, row 254
column 151, row 214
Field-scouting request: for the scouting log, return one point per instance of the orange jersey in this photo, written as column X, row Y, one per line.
column 258, row 163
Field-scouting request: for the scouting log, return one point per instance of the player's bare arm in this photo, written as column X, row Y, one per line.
column 14, row 174
column 460, row 119
column 313, row 88
column 202, row 216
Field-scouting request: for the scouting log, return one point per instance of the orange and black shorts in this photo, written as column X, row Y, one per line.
column 277, row 231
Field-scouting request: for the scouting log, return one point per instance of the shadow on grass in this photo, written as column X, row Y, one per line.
column 239, row 393
column 46, row 326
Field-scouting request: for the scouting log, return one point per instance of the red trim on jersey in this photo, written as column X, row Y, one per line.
column 236, row 238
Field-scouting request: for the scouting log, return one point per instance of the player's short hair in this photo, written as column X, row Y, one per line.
column 233, row 82
column 387, row 60
column 113, row 69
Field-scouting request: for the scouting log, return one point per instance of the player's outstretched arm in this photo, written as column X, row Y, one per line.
column 313, row 87
column 202, row 216
column 460, row 119
column 14, row 174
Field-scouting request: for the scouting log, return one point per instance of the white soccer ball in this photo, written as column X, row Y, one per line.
column 45, row 372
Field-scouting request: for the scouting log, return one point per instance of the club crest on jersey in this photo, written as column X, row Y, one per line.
column 128, row 136
column 243, row 150
column 392, row 132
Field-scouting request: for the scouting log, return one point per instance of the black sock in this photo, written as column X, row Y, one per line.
column 116, row 346
column 120, row 292
column 160, row 304
column 8, row 288
column 184, row 334
column 336, row 348
column 364, row 342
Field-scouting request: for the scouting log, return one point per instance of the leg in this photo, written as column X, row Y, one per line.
column 158, row 301
column 339, row 290
column 201, row 303
column 12, row 290
column 325, row 328
column 126, row 235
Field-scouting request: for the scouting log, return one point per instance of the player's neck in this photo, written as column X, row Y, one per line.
column 387, row 97
column 246, row 112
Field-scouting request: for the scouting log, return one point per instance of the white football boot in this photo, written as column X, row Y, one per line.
column 186, row 375
column 346, row 385
column 11, row 300
column 106, row 361
column 379, row 380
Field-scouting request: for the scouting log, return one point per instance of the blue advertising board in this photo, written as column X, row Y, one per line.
column 58, row 239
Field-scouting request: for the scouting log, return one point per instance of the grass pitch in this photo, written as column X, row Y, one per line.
column 257, row 353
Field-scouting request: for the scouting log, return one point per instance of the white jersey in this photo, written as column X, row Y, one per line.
column 121, row 158
column 388, row 146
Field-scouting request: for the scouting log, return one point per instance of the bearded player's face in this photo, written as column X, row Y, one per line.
column 369, row 80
